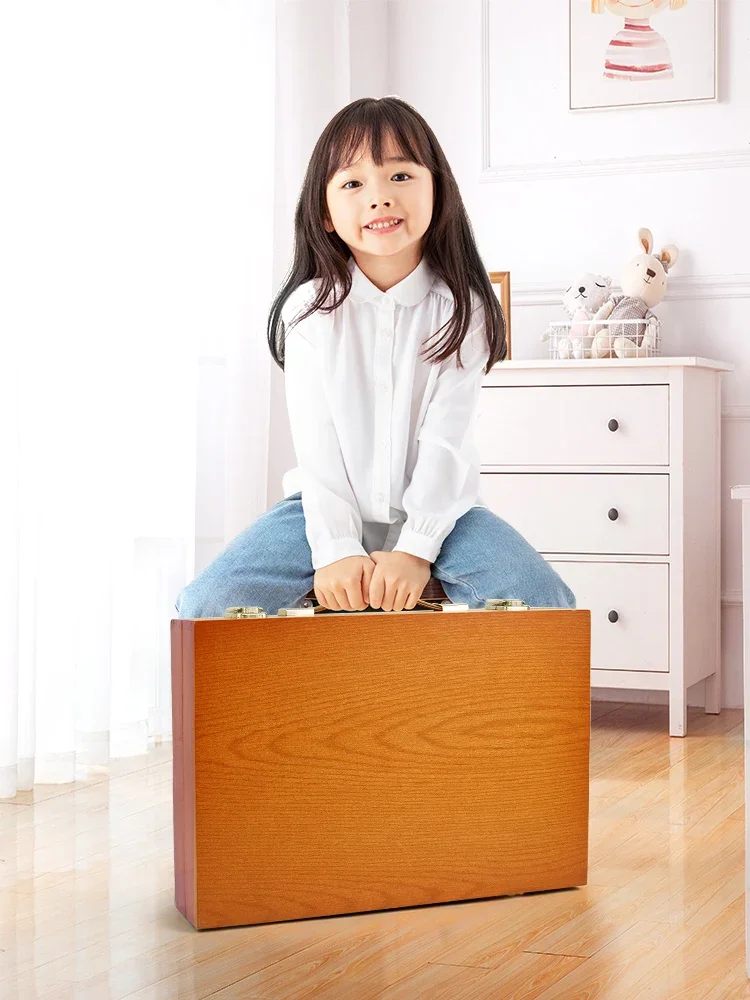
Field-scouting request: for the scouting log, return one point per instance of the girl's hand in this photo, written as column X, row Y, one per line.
column 395, row 580
column 339, row 586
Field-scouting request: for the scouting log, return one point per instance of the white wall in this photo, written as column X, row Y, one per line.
column 544, row 209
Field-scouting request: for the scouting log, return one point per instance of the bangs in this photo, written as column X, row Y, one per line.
column 370, row 133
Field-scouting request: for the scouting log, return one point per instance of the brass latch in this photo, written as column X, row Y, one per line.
column 497, row 604
column 248, row 612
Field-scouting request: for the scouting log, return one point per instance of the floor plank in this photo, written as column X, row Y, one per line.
column 87, row 896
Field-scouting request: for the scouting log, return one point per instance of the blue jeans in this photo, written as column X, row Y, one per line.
column 270, row 564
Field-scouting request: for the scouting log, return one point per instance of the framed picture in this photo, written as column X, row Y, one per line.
column 501, row 285
column 643, row 52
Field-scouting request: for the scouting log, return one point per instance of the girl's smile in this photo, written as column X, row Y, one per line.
column 381, row 228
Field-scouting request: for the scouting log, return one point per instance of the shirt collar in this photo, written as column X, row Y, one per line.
column 408, row 292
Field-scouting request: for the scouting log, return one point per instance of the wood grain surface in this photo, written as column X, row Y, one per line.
column 367, row 761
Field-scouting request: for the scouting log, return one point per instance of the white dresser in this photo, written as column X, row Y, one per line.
column 611, row 469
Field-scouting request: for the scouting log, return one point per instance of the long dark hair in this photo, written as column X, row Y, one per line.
column 448, row 245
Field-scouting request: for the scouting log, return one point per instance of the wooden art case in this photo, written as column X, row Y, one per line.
column 330, row 763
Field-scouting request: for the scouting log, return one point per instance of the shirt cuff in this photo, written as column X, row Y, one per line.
column 337, row 548
column 417, row 544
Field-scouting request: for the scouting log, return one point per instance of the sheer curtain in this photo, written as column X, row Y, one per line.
column 136, row 228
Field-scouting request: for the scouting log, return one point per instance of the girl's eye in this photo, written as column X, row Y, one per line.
column 400, row 174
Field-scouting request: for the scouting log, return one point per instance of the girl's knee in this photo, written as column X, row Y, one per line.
column 545, row 586
column 563, row 596
column 568, row 598
column 186, row 606
column 192, row 603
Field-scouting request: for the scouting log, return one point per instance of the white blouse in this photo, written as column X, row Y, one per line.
column 384, row 440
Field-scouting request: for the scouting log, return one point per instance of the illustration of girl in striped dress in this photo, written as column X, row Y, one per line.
column 637, row 52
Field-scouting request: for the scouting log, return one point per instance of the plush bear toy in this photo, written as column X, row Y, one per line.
column 644, row 283
column 581, row 300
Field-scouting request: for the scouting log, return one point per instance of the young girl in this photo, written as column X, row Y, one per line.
column 386, row 489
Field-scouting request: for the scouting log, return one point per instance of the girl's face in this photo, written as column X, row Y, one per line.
column 635, row 10
column 364, row 192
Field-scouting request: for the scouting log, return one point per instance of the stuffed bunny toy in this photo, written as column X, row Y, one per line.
column 644, row 283
column 581, row 301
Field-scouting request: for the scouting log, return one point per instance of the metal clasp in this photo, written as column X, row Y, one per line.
column 253, row 611
column 498, row 604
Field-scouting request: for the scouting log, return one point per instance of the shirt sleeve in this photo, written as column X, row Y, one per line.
column 333, row 524
column 445, row 482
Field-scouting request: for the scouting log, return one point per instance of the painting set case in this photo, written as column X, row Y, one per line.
column 355, row 761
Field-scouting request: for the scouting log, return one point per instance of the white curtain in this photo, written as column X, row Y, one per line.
column 136, row 236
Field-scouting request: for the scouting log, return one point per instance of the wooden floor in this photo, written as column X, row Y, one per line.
column 86, row 896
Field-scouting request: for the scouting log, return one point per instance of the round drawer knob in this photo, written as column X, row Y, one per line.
column 613, row 424
column 613, row 616
column 613, row 513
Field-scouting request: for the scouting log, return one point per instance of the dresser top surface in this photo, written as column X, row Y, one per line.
column 662, row 361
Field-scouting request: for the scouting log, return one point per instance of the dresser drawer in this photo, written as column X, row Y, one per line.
column 639, row 594
column 570, row 512
column 570, row 425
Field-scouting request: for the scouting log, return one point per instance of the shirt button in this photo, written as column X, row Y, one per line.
column 383, row 386
column 384, row 444
column 381, row 496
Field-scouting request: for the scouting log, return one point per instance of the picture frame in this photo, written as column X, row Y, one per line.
column 677, row 64
column 500, row 281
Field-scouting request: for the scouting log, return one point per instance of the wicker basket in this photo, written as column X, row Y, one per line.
column 625, row 338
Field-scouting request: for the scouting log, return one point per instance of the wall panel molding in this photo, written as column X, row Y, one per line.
column 709, row 286
column 735, row 411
